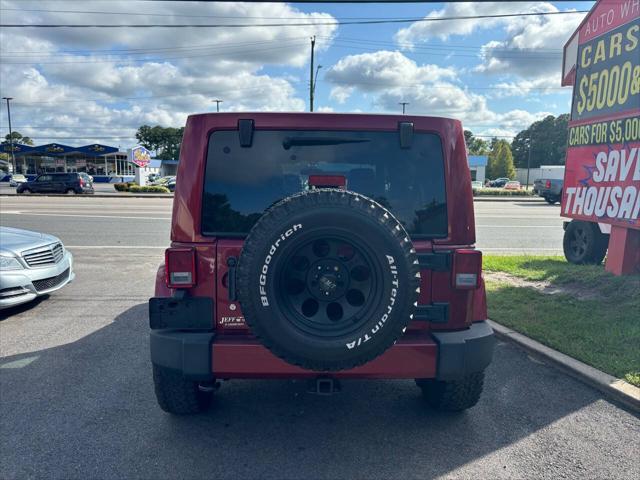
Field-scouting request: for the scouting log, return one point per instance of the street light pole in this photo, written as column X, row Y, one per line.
column 218, row 102
column 13, row 157
column 315, row 82
column 529, row 159
column 404, row 104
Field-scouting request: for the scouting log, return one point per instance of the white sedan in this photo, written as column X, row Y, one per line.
column 31, row 264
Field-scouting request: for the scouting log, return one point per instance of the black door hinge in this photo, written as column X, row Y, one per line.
column 434, row 313
column 232, row 262
column 245, row 132
column 436, row 261
column 405, row 129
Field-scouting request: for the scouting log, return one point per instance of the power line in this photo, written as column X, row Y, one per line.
column 139, row 60
column 447, row 46
column 339, row 44
column 258, row 87
column 130, row 51
column 127, row 51
column 182, row 15
column 441, row 87
column 291, row 24
column 150, row 97
column 339, row 82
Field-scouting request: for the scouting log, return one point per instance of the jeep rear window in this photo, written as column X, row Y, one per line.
column 242, row 182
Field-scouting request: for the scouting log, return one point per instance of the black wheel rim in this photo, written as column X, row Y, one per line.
column 579, row 242
column 328, row 285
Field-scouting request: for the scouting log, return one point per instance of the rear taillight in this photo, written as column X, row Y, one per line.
column 467, row 269
column 81, row 182
column 180, row 267
column 547, row 184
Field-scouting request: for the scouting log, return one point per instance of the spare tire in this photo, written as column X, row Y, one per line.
column 328, row 279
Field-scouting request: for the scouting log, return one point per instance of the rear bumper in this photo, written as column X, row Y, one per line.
column 205, row 356
column 465, row 351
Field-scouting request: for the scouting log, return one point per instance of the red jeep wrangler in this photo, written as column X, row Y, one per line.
column 321, row 246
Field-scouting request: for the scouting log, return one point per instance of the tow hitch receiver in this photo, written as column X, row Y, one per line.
column 324, row 386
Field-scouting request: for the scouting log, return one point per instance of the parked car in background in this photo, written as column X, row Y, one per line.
column 171, row 185
column 152, row 177
column 499, row 182
column 32, row 264
column 88, row 178
column 477, row 184
column 512, row 185
column 162, row 181
column 17, row 179
column 549, row 188
column 69, row 183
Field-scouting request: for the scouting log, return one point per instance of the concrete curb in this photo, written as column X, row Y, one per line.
column 92, row 195
column 611, row 386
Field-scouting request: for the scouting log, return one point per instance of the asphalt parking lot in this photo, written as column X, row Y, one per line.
column 76, row 397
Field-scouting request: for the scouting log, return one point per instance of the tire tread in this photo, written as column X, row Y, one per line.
column 308, row 200
column 177, row 395
column 453, row 395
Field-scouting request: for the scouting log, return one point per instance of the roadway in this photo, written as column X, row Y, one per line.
column 502, row 227
column 76, row 396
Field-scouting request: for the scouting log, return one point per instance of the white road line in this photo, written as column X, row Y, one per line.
column 520, row 249
column 103, row 211
column 123, row 247
column 519, row 226
column 525, row 217
column 83, row 216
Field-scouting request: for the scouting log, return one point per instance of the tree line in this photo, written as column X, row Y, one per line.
column 543, row 143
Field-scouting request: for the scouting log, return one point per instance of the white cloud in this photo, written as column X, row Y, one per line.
column 390, row 78
column 533, row 45
column 380, row 70
column 520, row 88
column 84, row 79
column 341, row 94
column 532, row 50
column 422, row 31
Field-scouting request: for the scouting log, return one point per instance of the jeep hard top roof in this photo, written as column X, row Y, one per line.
column 188, row 202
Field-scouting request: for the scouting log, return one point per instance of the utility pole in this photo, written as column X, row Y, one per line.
column 218, row 102
column 529, row 159
column 404, row 104
column 311, row 79
column 13, row 157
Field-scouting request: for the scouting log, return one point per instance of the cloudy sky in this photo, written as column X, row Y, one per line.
column 79, row 86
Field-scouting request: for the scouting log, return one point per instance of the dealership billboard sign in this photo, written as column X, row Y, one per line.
column 602, row 175
column 139, row 156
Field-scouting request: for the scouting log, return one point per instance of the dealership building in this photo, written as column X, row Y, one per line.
column 478, row 166
column 102, row 162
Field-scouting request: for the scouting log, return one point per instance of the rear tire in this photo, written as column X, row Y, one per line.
column 453, row 395
column 26, row 191
column 177, row 395
column 551, row 201
column 584, row 243
column 71, row 191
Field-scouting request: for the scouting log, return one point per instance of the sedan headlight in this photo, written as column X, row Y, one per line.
column 10, row 263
